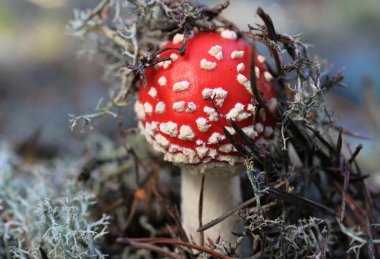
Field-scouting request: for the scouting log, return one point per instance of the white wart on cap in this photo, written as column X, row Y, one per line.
column 175, row 112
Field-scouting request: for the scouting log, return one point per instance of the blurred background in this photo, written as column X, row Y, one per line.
column 42, row 80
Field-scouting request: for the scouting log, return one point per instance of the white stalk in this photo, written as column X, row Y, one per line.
column 221, row 193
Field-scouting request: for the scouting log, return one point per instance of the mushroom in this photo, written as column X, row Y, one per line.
column 181, row 111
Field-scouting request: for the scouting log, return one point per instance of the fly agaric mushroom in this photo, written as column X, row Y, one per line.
column 177, row 120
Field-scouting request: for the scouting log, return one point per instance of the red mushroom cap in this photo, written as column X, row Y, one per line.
column 172, row 111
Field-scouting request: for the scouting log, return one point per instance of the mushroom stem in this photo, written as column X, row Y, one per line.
column 221, row 193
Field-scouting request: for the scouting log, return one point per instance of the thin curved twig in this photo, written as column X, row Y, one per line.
column 170, row 241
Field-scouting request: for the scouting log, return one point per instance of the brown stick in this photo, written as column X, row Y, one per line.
column 169, row 241
column 345, row 188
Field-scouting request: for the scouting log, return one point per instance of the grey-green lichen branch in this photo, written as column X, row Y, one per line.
column 42, row 212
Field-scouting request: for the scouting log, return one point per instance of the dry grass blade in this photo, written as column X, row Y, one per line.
column 348, row 132
column 234, row 210
column 356, row 209
column 235, row 143
column 169, row 241
column 302, row 200
column 355, row 154
column 318, row 135
column 256, row 152
column 345, row 189
column 339, row 145
column 268, row 22
column 370, row 244
column 226, row 215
